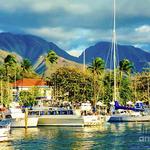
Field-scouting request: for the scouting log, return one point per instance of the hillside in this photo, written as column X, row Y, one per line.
column 3, row 55
column 61, row 62
column 29, row 46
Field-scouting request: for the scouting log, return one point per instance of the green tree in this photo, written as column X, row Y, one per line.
column 124, row 85
column 27, row 69
column 108, row 83
column 28, row 97
column 49, row 60
column 5, row 92
column 126, row 66
column 11, row 67
column 26, row 65
column 125, row 91
column 71, row 83
column 51, row 57
column 97, row 68
column 141, row 86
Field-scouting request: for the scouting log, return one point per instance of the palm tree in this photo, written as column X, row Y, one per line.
column 26, row 65
column 51, row 57
column 97, row 67
column 9, row 62
column 126, row 66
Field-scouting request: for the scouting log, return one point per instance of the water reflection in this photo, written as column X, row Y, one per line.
column 107, row 136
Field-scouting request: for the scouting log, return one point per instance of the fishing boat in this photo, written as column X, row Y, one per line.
column 4, row 130
column 138, row 113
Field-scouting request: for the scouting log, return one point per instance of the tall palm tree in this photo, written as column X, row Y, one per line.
column 50, row 59
column 26, row 67
column 9, row 62
column 97, row 67
column 126, row 66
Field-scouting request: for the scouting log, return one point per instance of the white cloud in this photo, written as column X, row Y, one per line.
column 143, row 29
column 51, row 32
column 64, row 37
column 41, row 6
column 77, row 51
column 145, row 47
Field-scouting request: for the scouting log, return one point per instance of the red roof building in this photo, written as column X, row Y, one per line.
column 29, row 83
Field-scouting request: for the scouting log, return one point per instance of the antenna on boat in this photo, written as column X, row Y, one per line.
column 114, row 48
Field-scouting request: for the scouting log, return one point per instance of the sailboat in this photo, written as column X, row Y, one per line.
column 123, row 113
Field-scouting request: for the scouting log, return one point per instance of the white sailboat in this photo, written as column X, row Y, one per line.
column 122, row 113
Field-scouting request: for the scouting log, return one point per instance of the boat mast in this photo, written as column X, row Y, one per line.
column 114, row 48
column 1, row 91
column 148, row 88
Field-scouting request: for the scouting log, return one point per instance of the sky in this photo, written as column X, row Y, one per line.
column 74, row 25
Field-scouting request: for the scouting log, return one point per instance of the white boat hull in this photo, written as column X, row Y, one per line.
column 69, row 120
column 125, row 118
column 92, row 120
column 60, row 120
column 20, row 122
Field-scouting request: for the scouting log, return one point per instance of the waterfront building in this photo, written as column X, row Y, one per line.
column 27, row 84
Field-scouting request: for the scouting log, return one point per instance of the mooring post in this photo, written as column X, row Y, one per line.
column 26, row 118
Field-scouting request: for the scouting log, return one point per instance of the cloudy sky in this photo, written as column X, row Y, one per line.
column 76, row 24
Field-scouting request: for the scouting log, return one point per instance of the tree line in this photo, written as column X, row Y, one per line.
column 94, row 84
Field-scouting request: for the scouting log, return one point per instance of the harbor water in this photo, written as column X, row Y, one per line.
column 109, row 136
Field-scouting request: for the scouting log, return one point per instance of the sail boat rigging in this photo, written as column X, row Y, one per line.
column 132, row 114
column 1, row 84
column 114, row 49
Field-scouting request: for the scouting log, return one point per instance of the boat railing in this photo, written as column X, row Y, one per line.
column 50, row 112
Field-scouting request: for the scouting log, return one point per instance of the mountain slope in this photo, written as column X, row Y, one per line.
column 102, row 49
column 29, row 46
column 3, row 55
column 61, row 62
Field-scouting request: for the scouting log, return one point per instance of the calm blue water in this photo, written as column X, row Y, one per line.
column 118, row 136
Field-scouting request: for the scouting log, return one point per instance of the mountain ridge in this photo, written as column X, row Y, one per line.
column 102, row 49
column 29, row 46
column 33, row 47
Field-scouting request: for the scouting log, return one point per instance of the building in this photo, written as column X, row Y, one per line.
column 28, row 84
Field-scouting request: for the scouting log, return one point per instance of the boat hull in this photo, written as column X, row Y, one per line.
column 69, row 120
column 93, row 120
column 60, row 120
column 129, row 119
column 20, row 122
